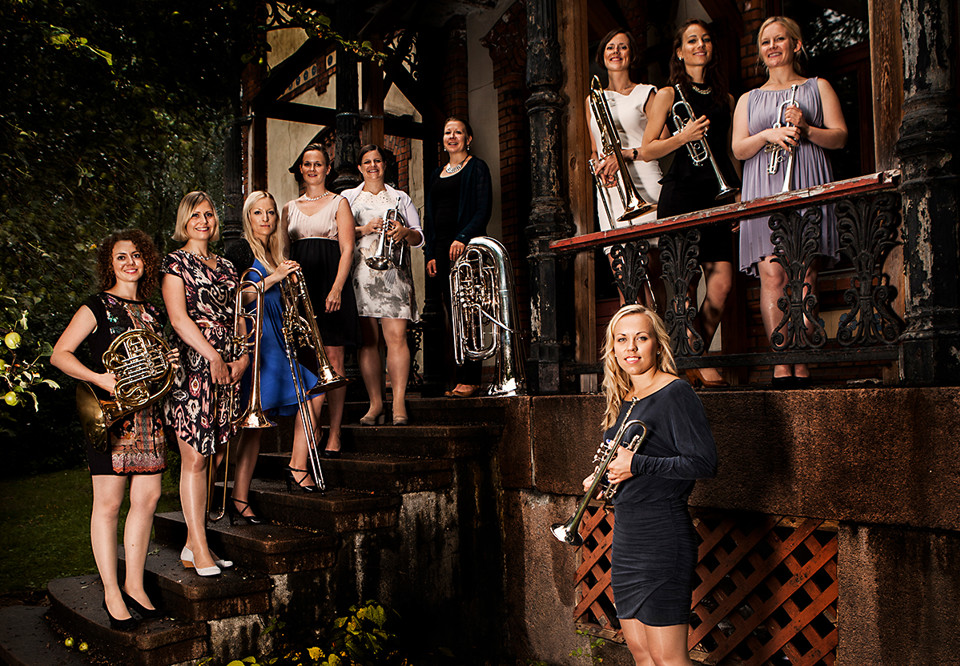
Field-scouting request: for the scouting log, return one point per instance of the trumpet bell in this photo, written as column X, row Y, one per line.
column 566, row 533
column 378, row 262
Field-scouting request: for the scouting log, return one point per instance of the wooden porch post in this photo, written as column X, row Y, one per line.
column 549, row 217
column 930, row 187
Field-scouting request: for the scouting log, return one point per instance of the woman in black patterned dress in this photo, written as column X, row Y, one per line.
column 128, row 269
column 199, row 290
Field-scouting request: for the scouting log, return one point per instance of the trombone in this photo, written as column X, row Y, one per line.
column 699, row 150
column 300, row 331
column 253, row 416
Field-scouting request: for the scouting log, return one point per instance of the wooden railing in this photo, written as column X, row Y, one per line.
column 868, row 218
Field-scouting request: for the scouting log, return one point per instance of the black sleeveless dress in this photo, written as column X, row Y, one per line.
column 688, row 187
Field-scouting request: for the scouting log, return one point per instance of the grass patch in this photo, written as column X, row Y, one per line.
column 45, row 527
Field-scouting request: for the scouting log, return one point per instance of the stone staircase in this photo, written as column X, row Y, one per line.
column 400, row 522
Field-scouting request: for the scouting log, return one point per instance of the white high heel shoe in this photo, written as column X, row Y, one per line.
column 186, row 558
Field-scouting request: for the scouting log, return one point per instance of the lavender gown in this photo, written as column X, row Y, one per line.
column 812, row 167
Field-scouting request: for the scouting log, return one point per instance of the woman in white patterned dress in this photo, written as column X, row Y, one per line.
column 384, row 296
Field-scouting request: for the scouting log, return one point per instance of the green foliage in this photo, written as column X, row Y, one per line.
column 20, row 369
column 595, row 644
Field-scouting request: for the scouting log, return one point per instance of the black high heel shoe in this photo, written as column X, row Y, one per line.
column 292, row 480
column 120, row 625
column 142, row 611
column 238, row 513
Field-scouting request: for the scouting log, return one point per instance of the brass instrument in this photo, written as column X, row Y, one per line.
column 299, row 332
column 485, row 315
column 138, row 358
column 389, row 252
column 253, row 416
column 602, row 488
column 776, row 151
column 699, row 150
column 633, row 203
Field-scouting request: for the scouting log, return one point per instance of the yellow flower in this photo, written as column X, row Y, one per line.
column 315, row 653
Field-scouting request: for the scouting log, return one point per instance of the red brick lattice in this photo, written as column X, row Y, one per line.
column 765, row 588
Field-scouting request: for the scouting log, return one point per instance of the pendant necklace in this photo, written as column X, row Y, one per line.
column 453, row 169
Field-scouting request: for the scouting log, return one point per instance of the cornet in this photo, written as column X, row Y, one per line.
column 776, row 151
column 700, row 153
column 389, row 252
column 633, row 203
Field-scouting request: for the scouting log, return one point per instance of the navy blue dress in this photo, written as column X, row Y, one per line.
column 654, row 544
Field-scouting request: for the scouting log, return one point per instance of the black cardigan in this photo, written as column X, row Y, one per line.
column 473, row 212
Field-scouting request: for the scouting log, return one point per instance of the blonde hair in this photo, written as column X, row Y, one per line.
column 269, row 255
column 793, row 32
column 189, row 204
column 616, row 382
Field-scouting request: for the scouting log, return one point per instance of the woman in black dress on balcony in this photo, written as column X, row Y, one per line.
column 654, row 544
column 686, row 186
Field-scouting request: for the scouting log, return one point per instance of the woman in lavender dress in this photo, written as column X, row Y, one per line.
column 814, row 124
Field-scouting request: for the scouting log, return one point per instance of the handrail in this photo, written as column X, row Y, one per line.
column 875, row 182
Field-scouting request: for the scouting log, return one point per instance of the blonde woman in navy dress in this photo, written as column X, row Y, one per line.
column 128, row 268
column 319, row 227
column 818, row 125
column 629, row 104
column 385, row 298
column 199, row 291
column 654, row 550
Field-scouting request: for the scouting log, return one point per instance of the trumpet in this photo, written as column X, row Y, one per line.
column 700, row 153
column 602, row 488
column 776, row 151
column 633, row 203
column 138, row 358
column 389, row 252
column 253, row 416
column 300, row 331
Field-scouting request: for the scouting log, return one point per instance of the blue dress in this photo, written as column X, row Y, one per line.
column 277, row 392
column 654, row 548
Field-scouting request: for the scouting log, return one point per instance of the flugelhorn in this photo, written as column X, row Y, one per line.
column 138, row 359
column 700, row 153
column 776, row 151
column 633, row 203
column 601, row 487
column 389, row 252
column 300, row 331
column 253, row 416
column 484, row 304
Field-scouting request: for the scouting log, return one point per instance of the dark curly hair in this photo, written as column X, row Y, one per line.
column 714, row 75
column 148, row 253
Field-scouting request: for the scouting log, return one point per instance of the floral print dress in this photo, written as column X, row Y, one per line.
column 197, row 408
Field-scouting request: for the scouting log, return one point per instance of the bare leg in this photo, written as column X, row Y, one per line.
column 637, row 641
column 248, row 449
column 772, row 281
column 719, row 281
column 298, row 456
column 398, row 363
column 370, row 367
column 193, row 500
column 337, row 399
column 108, row 491
column 668, row 645
column 144, row 494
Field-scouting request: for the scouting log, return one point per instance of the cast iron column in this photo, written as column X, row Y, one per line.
column 929, row 140
column 348, row 105
column 549, row 217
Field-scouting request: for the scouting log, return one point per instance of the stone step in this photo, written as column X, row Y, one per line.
column 77, row 610
column 27, row 639
column 369, row 472
column 433, row 441
column 334, row 511
column 237, row 591
column 274, row 549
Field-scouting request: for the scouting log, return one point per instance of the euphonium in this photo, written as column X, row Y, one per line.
column 485, row 316
column 138, row 358
column 699, row 150
column 253, row 416
column 299, row 331
column 776, row 151
column 389, row 252
column 602, row 488
column 633, row 203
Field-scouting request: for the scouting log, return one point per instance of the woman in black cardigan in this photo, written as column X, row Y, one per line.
column 459, row 200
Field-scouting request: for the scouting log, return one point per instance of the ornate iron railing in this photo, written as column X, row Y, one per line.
column 868, row 218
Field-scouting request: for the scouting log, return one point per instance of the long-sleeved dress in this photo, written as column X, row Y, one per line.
column 654, row 543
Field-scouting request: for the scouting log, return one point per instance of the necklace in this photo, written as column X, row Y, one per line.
column 197, row 254
column 306, row 198
column 454, row 169
column 703, row 91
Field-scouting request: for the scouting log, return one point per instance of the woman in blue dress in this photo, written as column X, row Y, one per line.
column 278, row 395
column 654, row 548
column 814, row 124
